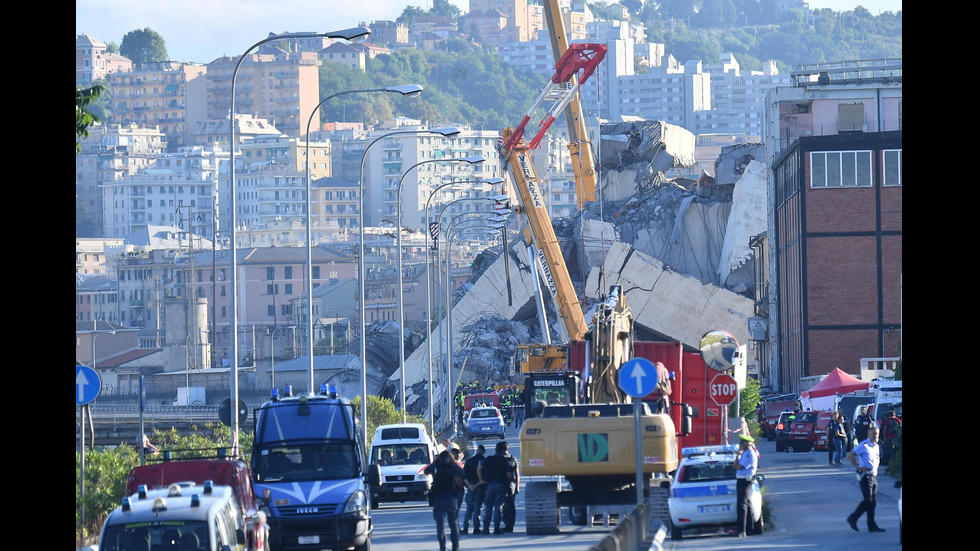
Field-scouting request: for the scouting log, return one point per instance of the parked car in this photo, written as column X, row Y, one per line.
column 703, row 491
column 820, row 442
column 770, row 416
column 800, row 436
column 484, row 422
column 782, row 430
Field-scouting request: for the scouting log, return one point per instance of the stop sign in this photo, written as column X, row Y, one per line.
column 723, row 389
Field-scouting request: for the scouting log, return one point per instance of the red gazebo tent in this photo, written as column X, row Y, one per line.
column 821, row 395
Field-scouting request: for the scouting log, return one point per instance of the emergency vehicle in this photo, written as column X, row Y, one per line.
column 182, row 517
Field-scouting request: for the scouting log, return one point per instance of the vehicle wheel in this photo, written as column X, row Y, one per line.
column 759, row 527
column 770, row 436
column 578, row 515
column 365, row 547
column 780, row 446
column 675, row 532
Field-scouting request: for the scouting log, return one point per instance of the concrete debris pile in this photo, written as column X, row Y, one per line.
column 679, row 247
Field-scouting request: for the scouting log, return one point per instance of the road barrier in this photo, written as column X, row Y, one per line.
column 639, row 531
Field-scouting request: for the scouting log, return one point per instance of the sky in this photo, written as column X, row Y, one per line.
column 204, row 30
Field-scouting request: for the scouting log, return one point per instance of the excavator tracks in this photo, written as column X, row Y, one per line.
column 541, row 512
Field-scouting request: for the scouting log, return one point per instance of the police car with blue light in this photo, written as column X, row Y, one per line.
column 484, row 422
column 703, row 491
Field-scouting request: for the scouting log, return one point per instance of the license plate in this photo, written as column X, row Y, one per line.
column 715, row 508
column 309, row 539
column 400, row 490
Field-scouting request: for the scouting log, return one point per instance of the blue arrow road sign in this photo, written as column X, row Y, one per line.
column 88, row 385
column 638, row 377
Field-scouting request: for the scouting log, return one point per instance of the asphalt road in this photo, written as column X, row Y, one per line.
column 809, row 502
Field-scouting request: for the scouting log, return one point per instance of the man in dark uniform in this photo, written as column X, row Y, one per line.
column 861, row 424
column 497, row 472
column 474, row 490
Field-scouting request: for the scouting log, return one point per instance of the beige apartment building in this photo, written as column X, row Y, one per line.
column 168, row 94
column 282, row 88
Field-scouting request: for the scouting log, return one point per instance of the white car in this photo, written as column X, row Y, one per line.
column 703, row 491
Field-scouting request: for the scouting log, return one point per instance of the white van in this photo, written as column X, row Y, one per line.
column 402, row 451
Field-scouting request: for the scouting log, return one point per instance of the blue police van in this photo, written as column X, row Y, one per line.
column 310, row 472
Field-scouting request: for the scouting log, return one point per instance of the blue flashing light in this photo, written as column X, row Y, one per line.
column 195, row 500
column 708, row 450
column 126, row 504
column 333, row 391
column 323, row 389
column 275, row 395
column 289, row 390
column 142, row 491
column 208, row 487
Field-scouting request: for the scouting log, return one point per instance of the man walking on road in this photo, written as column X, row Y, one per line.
column 865, row 459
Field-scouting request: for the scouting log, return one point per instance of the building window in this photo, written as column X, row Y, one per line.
column 271, row 311
column 835, row 169
column 271, row 289
column 270, row 273
column 289, row 272
column 892, row 163
column 289, row 288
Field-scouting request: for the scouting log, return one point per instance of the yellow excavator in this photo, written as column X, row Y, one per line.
column 579, row 449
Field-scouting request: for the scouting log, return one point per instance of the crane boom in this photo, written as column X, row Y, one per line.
column 533, row 206
column 583, row 161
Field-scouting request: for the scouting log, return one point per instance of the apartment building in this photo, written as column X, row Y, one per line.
column 178, row 188
column 834, row 145
column 271, row 281
column 169, row 94
column 94, row 62
column 282, row 88
column 389, row 33
column 110, row 152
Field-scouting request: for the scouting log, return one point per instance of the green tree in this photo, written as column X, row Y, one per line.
column 748, row 400
column 84, row 117
column 143, row 46
column 444, row 8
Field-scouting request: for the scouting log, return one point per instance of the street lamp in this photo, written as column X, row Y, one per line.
column 428, row 283
column 410, row 90
column 450, row 233
column 476, row 159
column 293, row 327
column 495, row 199
column 445, row 132
column 345, row 34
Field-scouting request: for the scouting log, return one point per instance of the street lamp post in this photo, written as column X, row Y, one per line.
column 428, row 284
column 398, row 248
column 411, row 90
column 362, row 275
column 494, row 198
column 293, row 327
column 450, row 233
column 346, row 34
